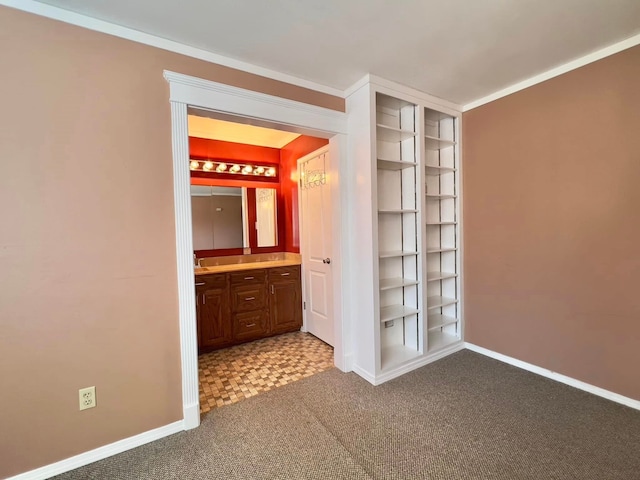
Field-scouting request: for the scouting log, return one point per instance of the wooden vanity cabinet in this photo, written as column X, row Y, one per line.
column 212, row 311
column 242, row 306
column 285, row 301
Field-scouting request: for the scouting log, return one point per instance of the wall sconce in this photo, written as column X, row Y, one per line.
column 233, row 168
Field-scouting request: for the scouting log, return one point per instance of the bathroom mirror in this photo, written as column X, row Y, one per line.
column 230, row 218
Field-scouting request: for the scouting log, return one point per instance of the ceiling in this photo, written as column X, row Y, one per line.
column 459, row 50
column 238, row 133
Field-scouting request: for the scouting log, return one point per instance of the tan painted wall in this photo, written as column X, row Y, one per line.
column 552, row 224
column 88, row 290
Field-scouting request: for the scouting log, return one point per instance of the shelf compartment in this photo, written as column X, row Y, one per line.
column 434, row 276
column 435, row 143
column 396, row 312
column 390, row 134
column 391, row 103
column 394, row 164
column 437, row 302
column 389, row 283
column 434, row 170
column 441, row 249
column 437, row 196
column 398, row 210
column 439, row 339
column 436, row 322
column 396, row 253
column 397, row 355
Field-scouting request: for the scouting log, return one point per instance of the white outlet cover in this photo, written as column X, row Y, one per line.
column 87, row 397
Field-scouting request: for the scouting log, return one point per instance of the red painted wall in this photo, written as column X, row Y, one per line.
column 289, row 155
column 286, row 158
column 205, row 148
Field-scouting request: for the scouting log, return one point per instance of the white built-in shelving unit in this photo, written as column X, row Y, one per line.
column 405, row 152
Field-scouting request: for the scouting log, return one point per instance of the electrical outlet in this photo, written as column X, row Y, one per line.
column 87, row 397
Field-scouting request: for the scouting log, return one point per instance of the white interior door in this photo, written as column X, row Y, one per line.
column 315, row 245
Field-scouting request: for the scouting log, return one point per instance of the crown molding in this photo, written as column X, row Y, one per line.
column 554, row 72
column 85, row 21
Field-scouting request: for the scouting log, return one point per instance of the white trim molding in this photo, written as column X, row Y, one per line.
column 235, row 103
column 90, row 23
column 91, row 456
column 572, row 382
column 554, row 72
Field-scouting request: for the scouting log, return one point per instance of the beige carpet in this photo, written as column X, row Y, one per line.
column 463, row 417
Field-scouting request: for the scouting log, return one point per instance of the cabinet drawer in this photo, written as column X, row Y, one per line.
column 249, row 276
column 249, row 325
column 215, row 280
column 245, row 298
column 277, row 273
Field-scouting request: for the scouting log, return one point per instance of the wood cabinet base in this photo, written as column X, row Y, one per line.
column 242, row 307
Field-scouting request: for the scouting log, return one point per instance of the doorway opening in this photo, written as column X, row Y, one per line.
column 259, row 230
column 259, row 109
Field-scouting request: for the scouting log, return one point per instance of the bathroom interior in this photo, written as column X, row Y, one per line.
column 248, row 269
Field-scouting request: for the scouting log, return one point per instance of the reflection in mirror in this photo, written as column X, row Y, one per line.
column 217, row 217
column 266, row 217
column 222, row 217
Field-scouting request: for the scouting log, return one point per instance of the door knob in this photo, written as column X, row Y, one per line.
column 326, row 260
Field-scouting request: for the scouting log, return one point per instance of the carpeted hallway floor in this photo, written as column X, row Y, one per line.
column 462, row 417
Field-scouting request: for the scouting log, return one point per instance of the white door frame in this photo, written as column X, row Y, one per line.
column 264, row 110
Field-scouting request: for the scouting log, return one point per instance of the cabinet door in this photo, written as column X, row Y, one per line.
column 285, row 305
column 214, row 327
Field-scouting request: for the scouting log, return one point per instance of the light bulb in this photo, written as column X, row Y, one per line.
column 222, row 167
column 235, row 168
column 194, row 165
column 260, row 170
column 272, row 171
column 247, row 169
column 207, row 166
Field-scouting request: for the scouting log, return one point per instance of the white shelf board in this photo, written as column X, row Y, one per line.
column 394, row 164
column 396, row 253
column 440, row 223
column 390, row 134
column 396, row 355
column 434, row 171
column 389, row 283
column 441, row 249
column 433, row 276
column 435, row 143
column 435, row 322
column 437, row 196
column 437, row 302
column 396, row 312
column 438, row 339
column 398, row 210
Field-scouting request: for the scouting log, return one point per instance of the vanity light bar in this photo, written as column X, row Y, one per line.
column 233, row 168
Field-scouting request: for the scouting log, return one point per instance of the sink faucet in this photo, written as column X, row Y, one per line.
column 196, row 261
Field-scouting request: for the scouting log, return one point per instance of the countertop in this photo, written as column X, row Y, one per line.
column 238, row 267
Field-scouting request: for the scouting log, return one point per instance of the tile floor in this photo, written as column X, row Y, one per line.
column 233, row 374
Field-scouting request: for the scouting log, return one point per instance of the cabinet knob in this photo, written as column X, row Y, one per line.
column 326, row 260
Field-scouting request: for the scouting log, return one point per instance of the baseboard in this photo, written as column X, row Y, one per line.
column 100, row 453
column 407, row 367
column 419, row 362
column 601, row 392
column 191, row 416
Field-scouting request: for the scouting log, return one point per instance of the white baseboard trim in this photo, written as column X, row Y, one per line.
column 100, row 453
column 191, row 416
column 572, row 382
